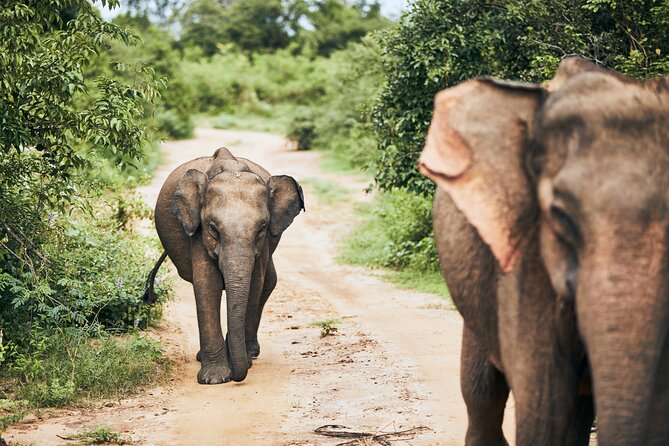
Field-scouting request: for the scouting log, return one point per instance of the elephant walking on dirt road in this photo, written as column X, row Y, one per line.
column 552, row 224
column 220, row 218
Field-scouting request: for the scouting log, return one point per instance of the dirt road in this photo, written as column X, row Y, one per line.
column 394, row 364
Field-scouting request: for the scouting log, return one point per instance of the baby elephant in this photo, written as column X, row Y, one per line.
column 219, row 219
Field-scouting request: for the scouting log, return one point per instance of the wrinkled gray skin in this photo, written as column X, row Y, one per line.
column 220, row 219
column 551, row 219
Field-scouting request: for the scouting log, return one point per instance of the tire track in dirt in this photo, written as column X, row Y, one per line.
column 393, row 365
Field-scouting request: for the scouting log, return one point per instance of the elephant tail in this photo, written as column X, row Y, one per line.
column 149, row 295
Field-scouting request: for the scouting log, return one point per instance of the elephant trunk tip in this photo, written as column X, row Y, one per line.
column 239, row 375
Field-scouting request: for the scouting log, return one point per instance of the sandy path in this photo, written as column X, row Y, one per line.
column 394, row 364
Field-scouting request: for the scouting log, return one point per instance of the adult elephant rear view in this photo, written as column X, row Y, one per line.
column 220, row 219
column 552, row 220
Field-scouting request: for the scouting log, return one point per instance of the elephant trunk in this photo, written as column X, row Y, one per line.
column 237, row 271
column 622, row 316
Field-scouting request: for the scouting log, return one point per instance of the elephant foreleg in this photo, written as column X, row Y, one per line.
column 253, row 321
column 485, row 392
column 208, row 288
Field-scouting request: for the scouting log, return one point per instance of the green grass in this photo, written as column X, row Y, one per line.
column 327, row 192
column 261, row 117
column 114, row 367
column 108, row 368
column 101, row 435
column 374, row 244
column 426, row 281
column 336, row 162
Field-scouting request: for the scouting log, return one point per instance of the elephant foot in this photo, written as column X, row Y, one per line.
column 213, row 373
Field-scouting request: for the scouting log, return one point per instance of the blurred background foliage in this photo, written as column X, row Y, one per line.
column 83, row 101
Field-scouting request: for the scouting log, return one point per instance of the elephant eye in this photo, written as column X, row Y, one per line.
column 565, row 227
column 213, row 230
column 261, row 230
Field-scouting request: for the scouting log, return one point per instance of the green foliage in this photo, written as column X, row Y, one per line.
column 327, row 192
column 171, row 116
column 342, row 120
column 296, row 95
column 313, row 27
column 397, row 233
column 12, row 418
column 101, row 435
column 328, row 327
column 440, row 43
column 203, row 26
column 252, row 85
column 43, row 60
column 89, row 287
column 72, row 117
column 256, row 25
column 108, row 368
column 302, row 130
column 337, row 23
column 173, row 124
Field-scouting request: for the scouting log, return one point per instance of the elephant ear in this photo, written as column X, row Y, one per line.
column 286, row 199
column 476, row 151
column 187, row 200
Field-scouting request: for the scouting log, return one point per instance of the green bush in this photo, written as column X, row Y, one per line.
column 302, row 131
column 106, row 368
column 397, row 233
column 342, row 115
column 87, row 280
column 173, row 124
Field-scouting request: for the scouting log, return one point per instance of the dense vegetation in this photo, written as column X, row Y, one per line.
column 440, row 43
column 74, row 138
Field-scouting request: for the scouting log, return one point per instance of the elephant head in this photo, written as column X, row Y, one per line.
column 583, row 164
column 239, row 217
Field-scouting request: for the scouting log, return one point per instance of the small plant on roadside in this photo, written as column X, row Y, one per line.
column 101, row 435
column 8, row 420
column 328, row 327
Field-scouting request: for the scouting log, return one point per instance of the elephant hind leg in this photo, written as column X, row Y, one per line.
column 485, row 392
column 581, row 425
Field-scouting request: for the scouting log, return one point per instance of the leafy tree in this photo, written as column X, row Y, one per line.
column 439, row 43
column 321, row 26
column 158, row 50
column 159, row 10
column 257, row 25
column 60, row 116
column 251, row 25
column 202, row 24
column 336, row 23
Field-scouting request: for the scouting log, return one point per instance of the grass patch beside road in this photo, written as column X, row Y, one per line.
column 327, row 192
column 107, row 368
column 396, row 233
